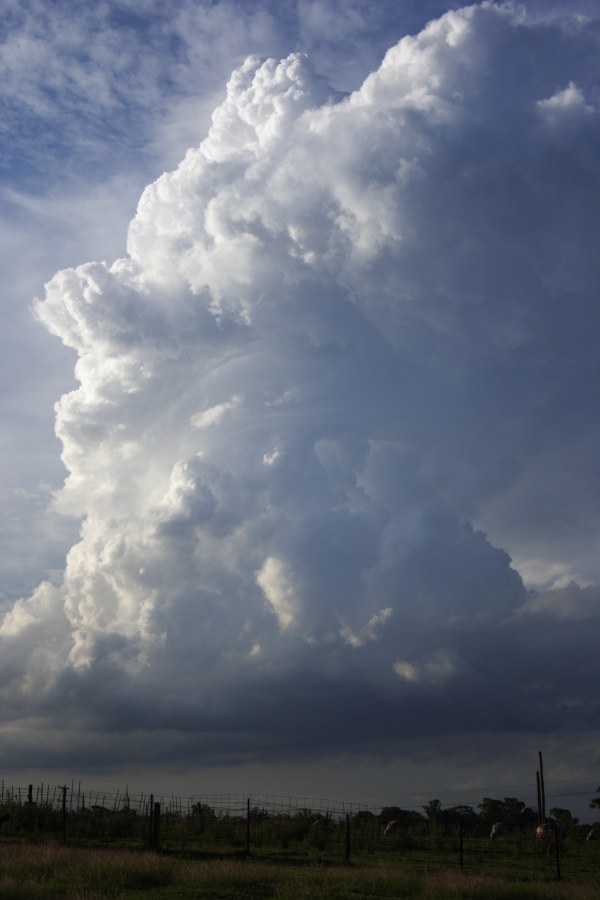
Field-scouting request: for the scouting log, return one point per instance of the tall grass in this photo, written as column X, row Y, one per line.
column 36, row 870
column 74, row 873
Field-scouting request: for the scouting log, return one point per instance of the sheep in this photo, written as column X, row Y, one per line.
column 593, row 834
column 548, row 833
column 392, row 828
column 498, row 831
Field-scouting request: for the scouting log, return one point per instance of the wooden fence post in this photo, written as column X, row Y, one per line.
column 460, row 841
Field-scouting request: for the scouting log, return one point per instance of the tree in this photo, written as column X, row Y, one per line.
column 456, row 815
column 564, row 818
column 390, row 813
column 433, row 810
column 595, row 803
column 363, row 817
column 517, row 814
column 514, row 813
column 492, row 810
column 435, row 822
column 411, row 821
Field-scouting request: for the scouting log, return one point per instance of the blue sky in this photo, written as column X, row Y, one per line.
column 327, row 330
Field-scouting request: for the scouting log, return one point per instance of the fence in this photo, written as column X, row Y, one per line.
column 300, row 830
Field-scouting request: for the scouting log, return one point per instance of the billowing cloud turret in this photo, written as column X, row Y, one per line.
column 350, row 333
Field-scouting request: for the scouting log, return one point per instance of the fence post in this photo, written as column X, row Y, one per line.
column 64, row 812
column 555, row 828
column 156, row 827
column 347, row 847
column 248, row 827
column 460, row 841
column 150, row 817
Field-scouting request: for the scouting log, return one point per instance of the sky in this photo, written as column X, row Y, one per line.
column 299, row 420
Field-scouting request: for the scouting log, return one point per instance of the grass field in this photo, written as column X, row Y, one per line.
column 52, row 870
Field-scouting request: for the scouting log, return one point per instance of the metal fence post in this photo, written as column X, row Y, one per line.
column 248, row 827
column 347, row 847
column 64, row 789
column 156, row 827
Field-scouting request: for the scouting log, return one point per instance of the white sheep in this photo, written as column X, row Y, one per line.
column 498, row 831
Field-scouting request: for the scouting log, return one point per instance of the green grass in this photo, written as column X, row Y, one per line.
column 75, row 873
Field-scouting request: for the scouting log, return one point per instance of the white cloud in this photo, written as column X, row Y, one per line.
column 214, row 414
column 406, row 670
column 345, row 329
column 370, row 632
column 539, row 574
column 437, row 668
column 277, row 584
column 569, row 100
column 570, row 601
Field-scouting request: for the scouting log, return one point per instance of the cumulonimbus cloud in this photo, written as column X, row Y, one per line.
column 347, row 328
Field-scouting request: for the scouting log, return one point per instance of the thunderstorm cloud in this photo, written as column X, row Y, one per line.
column 337, row 414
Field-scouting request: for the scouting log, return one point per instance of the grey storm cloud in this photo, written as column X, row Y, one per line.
column 353, row 336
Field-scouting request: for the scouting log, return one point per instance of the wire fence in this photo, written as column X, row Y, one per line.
column 302, row 830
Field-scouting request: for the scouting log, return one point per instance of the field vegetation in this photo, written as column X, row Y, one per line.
column 76, row 873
